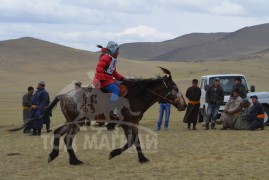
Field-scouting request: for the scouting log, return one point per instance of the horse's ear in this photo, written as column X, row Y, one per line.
column 165, row 71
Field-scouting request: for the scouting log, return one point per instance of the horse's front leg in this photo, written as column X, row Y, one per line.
column 128, row 134
column 136, row 141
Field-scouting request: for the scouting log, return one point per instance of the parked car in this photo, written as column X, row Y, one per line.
column 227, row 82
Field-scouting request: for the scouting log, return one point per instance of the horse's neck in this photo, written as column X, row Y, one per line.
column 145, row 100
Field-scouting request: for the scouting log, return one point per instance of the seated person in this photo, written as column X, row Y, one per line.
column 241, row 121
column 255, row 117
column 232, row 108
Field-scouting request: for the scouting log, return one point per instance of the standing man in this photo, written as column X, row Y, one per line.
column 255, row 117
column 164, row 106
column 242, row 89
column 214, row 98
column 193, row 94
column 26, row 105
column 40, row 100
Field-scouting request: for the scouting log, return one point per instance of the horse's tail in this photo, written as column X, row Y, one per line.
column 47, row 110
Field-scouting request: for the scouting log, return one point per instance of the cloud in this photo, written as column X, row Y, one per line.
column 84, row 23
column 58, row 11
column 227, row 8
column 133, row 34
column 145, row 32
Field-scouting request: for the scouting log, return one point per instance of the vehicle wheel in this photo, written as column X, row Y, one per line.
column 266, row 113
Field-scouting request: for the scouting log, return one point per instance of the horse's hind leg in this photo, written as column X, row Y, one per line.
column 141, row 156
column 57, row 135
column 68, row 142
column 128, row 134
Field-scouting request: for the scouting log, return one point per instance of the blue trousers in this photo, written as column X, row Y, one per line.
column 163, row 107
column 115, row 90
column 212, row 111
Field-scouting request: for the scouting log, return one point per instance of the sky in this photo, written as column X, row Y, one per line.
column 83, row 24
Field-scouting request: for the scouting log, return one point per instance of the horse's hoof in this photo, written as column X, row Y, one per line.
column 143, row 160
column 76, row 162
column 114, row 153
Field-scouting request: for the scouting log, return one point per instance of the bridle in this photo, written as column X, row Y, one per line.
column 165, row 97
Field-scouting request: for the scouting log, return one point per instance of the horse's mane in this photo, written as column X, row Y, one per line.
column 140, row 84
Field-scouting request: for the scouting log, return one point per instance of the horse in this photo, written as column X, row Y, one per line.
column 142, row 94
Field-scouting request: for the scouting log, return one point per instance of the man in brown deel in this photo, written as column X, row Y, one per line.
column 193, row 94
column 26, row 105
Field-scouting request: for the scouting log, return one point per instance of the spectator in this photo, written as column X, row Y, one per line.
column 78, row 85
column 46, row 118
column 240, row 121
column 214, row 98
column 255, row 117
column 241, row 87
column 164, row 106
column 26, row 105
column 193, row 94
column 39, row 101
column 231, row 110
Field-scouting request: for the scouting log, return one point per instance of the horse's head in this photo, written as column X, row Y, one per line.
column 174, row 96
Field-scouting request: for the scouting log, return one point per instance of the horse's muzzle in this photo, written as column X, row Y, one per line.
column 181, row 107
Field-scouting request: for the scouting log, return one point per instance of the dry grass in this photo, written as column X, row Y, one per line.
column 181, row 154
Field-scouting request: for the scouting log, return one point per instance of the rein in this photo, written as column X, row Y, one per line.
column 164, row 97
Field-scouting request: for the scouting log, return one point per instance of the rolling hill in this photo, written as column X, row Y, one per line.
column 149, row 50
column 33, row 55
column 221, row 46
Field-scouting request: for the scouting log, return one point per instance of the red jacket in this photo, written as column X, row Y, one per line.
column 103, row 79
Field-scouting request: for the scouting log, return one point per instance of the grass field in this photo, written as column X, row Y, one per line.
column 181, row 154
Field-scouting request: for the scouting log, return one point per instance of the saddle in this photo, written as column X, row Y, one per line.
column 123, row 90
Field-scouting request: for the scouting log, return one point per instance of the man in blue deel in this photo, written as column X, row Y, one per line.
column 39, row 101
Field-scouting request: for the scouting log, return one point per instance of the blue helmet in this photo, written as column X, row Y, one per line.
column 112, row 46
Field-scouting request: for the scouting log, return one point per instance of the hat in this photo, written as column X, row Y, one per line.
column 78, row 84
column 246, row 100
column 112, row 46
column 217, row 79
column 254, row 96
column 42, row 83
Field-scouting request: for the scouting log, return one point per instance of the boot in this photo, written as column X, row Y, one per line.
column 111, row 126
column 194, row 126
column 87, row 122
column 262, row 127
column 114, row 113
column 48, row 127
column 206, row 126
column 189, row 126
column 38, row 132
column 223, row 128
column 213, row 126
column 34, row 132
column 25, row 130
